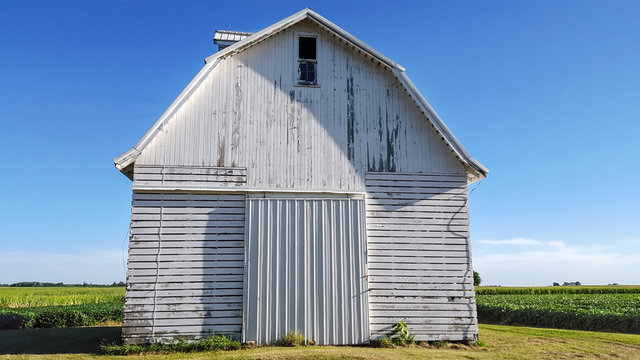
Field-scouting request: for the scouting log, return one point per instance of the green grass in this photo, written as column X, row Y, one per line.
column 500, row 342
column 215, row 342
column 25, row 297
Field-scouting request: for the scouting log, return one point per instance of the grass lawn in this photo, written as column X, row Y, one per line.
column 503, row 342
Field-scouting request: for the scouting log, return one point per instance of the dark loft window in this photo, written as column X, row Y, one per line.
column 307, row 48
column 307, row 62
column 307, row 72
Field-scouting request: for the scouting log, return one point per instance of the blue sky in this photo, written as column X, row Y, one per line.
column 546, row 94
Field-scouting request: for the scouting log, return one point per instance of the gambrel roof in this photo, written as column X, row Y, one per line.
column 475, row 170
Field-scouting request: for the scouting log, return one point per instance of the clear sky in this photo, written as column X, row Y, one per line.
column 546, row 94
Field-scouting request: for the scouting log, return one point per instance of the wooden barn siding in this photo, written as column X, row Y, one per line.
column 188, row 177
column 306, row 270
column 185, row 268
column 419, row 256
column 248, row 113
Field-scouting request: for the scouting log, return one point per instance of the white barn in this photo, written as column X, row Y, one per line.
column 300, row 183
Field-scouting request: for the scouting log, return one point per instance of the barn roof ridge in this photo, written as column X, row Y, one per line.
column 476, row 168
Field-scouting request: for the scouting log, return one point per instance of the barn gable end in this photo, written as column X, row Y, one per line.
column 353, row 183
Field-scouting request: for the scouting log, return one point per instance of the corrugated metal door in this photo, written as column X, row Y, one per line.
column 305, row 270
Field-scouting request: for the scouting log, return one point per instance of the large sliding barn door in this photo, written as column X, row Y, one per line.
column 305, row 270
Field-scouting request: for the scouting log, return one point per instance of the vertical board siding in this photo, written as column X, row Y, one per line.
column 420, row 256
column 185, row 268
column 249, row 113
column 306, row 270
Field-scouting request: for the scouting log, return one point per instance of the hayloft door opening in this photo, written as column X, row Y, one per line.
column 305, row 270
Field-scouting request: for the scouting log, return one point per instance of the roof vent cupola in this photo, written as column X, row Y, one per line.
column 224, row 38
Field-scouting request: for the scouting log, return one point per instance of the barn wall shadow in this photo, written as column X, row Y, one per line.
column 83, row 340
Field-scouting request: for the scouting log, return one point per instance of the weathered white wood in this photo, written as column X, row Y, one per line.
column 428, row 327
column 402, row 182
column 418, row 272
column 402, row 308
column 431, row 279
column 180, row 293
column 418, row 318
column 187, row 177
column 176, row 258
column 422, row 300
column 372, row 176
column 422, row 226
column 423, row 206
column 444, row 219
column 419, row 255
column 204, row 300
column 175, row 268
column 360, row 118
column 173, row 257
column 185, row 281
column 229, row 316
column 232, row 319
column 403, row 267
column 439, row 233
column 442, row 192
column 424, row 238
column 221, row 199
column 189, row 204
column 186, row 217
column 187, row 251
column 188, row 223
column 171, row 331
column 451, row 286
column 416, row 247
column 185, row 307
column 201, row 170
column 203, row 244
column 181, row 237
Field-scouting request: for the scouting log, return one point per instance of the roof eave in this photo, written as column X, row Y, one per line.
column 126, row 158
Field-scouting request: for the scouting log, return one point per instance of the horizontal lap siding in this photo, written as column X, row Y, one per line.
column 185, row 269
column 188, row 177
column 419, row 256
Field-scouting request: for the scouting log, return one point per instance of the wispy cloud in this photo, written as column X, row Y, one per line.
column 556, row 261
column 516, row 241
column 105, row 266
column 521, row 242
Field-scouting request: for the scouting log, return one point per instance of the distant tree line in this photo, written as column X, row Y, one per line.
column 48, row 284
column 573, row 283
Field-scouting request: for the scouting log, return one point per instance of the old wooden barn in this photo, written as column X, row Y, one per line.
column 300, row 183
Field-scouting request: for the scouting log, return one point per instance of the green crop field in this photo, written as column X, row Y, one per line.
column 598, row 308
column 23, row 297
column 45, row 307
column 584, row 289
